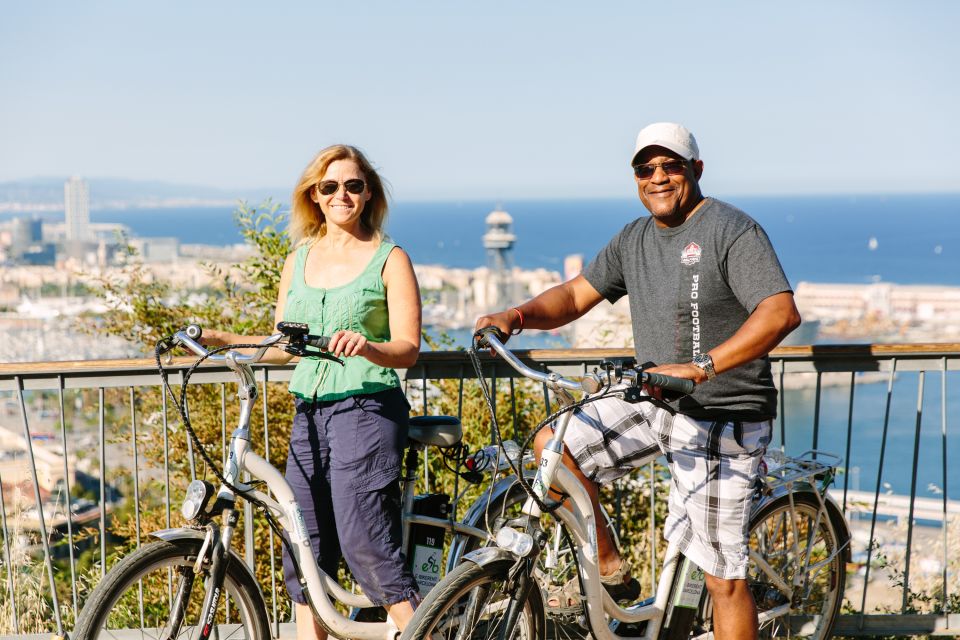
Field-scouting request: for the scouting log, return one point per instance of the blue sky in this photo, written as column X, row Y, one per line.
column 484, row 100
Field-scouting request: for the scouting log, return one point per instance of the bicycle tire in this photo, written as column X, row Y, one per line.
column 468, row 587
column 773, row 538
column 116, row 605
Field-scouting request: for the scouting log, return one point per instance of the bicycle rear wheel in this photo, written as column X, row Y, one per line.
column 472, row 602
column 797, row 544
column 139, row 596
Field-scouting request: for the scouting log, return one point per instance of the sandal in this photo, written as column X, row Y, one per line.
column 564, row 596
column 619, row 585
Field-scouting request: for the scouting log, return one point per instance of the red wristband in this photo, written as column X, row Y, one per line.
column 519, row 315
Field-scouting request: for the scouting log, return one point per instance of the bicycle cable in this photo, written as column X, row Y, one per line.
column 514, row 466
column 185, row 419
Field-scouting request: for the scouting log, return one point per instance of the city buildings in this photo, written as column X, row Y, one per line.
column 76, row 202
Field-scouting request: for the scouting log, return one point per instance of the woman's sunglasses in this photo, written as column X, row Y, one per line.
column 330, row 187
column 671, row 168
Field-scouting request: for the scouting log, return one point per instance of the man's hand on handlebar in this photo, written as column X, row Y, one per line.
column 685, row 370
column 506, row 323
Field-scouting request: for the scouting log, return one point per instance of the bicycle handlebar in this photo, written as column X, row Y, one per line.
column 592, row 382
column 296, row 335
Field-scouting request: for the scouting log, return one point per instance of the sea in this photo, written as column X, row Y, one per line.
column 904, row 239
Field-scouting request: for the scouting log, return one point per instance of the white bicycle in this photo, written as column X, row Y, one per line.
column 189, row 582
column 799, row 546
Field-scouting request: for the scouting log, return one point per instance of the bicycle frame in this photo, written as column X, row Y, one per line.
column 320, row 588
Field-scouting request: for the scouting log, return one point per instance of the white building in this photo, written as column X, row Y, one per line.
column 76, row 202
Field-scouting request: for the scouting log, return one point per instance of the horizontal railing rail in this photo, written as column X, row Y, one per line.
column 886, row 409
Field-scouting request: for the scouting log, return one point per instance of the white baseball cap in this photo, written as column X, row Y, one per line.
column 668, row 135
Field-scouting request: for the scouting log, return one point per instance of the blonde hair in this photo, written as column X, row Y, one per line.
column 307, row 221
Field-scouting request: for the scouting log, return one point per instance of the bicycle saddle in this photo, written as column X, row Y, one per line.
column 436, row 431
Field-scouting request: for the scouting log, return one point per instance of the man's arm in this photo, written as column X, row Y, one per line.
column 553, row 308
column 774, row 318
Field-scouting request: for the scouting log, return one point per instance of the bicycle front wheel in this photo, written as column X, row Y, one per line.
column 472, row 601
column 156, row 593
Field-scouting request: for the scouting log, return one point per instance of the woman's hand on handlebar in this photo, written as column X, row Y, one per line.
column 216, row 338
column 347, row 344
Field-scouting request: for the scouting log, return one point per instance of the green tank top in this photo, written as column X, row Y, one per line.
column 359, row 305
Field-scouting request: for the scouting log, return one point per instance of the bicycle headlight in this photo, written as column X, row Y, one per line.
column 198, row 495
column 516, row 542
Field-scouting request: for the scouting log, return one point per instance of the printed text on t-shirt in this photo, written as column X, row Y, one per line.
column 695, row 312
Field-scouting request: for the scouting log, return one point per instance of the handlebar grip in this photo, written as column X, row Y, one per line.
column 669, row 383
column 481, row 335
column 319, row 342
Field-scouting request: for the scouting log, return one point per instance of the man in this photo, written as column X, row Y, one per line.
column 708, row 301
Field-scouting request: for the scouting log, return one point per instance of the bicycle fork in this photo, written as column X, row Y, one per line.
column 522, row 576
column 215, row 550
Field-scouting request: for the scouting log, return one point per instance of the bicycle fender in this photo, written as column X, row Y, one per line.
column 476, row 513
column 489, row 555
column 188, row 533
column 179, row 533
column 491, row 496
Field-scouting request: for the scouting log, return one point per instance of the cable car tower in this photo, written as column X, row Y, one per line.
column 498, row 241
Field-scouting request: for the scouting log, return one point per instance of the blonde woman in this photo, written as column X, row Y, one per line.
column 347, row 281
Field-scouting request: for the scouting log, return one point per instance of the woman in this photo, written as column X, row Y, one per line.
column 350, row 426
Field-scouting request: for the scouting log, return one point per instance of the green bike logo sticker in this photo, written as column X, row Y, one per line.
column 691, row 586
column 426, row 566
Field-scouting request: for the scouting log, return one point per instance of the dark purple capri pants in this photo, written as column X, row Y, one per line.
column 344, row 466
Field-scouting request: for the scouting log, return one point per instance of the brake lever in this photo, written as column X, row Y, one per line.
column 301, row 351
column 632, row 395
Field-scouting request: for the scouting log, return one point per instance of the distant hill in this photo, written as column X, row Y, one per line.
column 110, row 193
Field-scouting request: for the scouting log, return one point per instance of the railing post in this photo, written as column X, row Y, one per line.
column 136, row 465
column 45, row 539
column 846, row 459
column 426, row 450
column 782, row 414
column 166, row 454
column 816, row 413
column 6, row 560
column 103, row 484
column 946, row 521
column 913, row 494
column 876, row 495
column 66, row 485
column 273, row 559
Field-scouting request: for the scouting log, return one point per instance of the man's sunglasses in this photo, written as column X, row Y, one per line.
column 330, row 187
column 671, row 168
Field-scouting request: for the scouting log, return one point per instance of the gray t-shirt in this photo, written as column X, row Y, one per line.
column 691, row 287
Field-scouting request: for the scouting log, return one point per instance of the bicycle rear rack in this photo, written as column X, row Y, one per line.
column 811, row 466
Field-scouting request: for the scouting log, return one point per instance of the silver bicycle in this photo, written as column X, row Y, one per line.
column 189, row 582
column 798, row 548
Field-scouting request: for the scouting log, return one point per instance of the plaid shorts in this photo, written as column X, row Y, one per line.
column 713, row 467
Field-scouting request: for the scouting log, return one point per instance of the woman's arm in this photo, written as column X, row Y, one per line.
column 216, row 338
column 404, row 308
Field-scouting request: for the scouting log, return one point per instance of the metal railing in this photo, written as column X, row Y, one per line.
column 867, row 403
